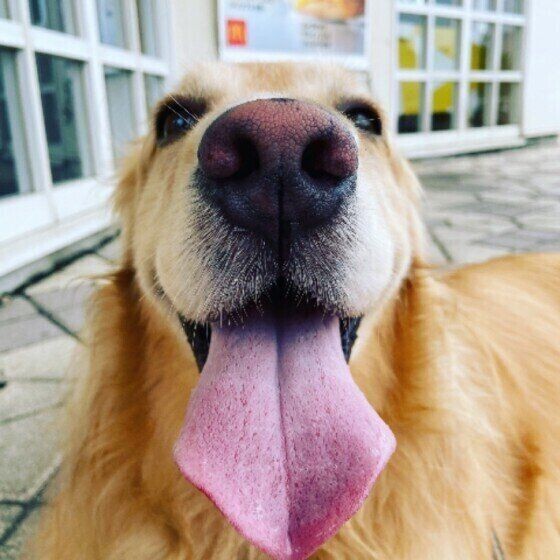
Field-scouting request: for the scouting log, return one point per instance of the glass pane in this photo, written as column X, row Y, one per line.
column 121, row 113
column 64, row 111
column 508, row 108
column 444, row 101
column 111, row 22
column 450, row 2
column 513, row 6
column 147, row 19
column 154, row 89
column 411, row 107
column 446, row 56
column 480, row 99
column 511, row 47
column 53, row 14
column 484, row 5
column 4, row 11
column 482, row 40
column 14, row 166
column 412, row 41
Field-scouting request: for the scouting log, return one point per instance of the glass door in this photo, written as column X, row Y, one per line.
column 459, row 69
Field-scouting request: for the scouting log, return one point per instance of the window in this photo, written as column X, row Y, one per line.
column 484, row 5
column 411, row 107
column 441, row 87
column 480, row 99
column 153, row 86
column 121, row 114
column 508, row 108
column 448, row 41
column 4, row 12
column 60, row 133
column 64, row 112
column 147, row 20
column 513, row 6
column 482, row 41
column 57, row 15
column 14, row 163
column 444, row 106
column 412, row 41
column 511, row 47
column 111, row 22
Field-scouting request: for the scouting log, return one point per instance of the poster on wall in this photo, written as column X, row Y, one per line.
column 257, row 30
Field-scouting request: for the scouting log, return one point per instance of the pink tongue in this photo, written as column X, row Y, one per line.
column 278, row 435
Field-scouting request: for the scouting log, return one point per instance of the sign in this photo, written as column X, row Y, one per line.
column 269, row 30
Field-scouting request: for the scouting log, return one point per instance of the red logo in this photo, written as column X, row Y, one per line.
column 237, row 32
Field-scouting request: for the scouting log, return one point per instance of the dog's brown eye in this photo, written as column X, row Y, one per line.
column 176, row 117
column 363, row 116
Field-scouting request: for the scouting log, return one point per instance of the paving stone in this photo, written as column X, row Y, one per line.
column 507, row 209
column 49, row 359
column 68, row 305
column 28, row 455
column 522, row 240
column 477, row 222
column 435, row 254
column 84, row 270
column 112, row 251
column 541, row 222
column 19, row 399
column 468, row 253
column 15, row 308
column 13, row 548
column 21, row 332
column 8, row 514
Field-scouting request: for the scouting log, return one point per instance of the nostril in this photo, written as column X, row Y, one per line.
column 329, row 159
column 231, row 158
column 314, row 161
column 248, row 156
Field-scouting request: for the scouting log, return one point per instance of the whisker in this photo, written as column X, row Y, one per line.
column 184, row 108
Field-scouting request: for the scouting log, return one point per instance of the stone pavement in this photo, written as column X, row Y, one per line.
column 477, row 207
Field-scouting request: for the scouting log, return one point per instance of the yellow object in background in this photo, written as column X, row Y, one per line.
column 331, row 9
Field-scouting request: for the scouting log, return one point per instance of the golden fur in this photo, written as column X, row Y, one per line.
column 463, row 365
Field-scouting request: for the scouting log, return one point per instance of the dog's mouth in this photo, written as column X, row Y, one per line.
column 276, row 433
column 199, row 335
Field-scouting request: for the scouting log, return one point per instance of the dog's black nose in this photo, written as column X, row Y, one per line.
column 273, row 164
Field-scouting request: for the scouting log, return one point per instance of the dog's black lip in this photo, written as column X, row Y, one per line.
column 199, row 336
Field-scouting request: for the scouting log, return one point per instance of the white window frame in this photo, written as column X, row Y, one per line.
column 52, row 216
column 462, row 138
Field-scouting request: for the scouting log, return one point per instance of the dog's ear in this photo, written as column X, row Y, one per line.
column 132, row 174
column 408, row 182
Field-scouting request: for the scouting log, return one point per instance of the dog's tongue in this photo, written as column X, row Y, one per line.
column 278, row 435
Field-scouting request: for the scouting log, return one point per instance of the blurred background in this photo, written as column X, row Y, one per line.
column 471, row 89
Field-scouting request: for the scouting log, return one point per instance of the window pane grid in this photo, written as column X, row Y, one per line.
column 472, row 63
column 52, row 62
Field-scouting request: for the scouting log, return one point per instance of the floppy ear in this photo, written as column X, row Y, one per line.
column 132, row 174
column 408, row 181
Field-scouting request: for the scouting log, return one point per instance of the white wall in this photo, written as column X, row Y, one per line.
column 194, row 29
column 541, row 103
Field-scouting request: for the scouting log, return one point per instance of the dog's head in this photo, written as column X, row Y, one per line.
column 267, row 210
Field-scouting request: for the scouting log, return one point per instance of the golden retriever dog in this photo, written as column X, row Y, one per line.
column 275, row 371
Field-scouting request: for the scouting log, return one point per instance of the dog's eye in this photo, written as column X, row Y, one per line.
column 176, row 117
column 363, row 116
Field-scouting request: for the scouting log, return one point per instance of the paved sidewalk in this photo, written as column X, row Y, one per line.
column 477, row 207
